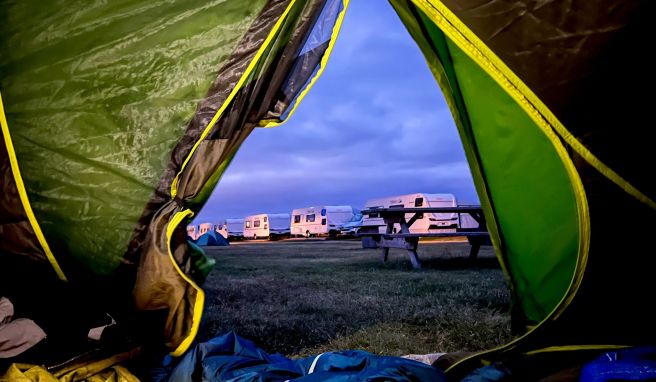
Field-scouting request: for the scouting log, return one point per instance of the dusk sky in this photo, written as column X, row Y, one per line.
column 374, row 125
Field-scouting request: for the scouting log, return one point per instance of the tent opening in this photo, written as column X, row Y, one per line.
column 375, row 125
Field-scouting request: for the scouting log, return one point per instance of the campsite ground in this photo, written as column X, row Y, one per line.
column 307, row 297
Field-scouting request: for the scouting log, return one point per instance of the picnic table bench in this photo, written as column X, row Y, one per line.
column 409, row 241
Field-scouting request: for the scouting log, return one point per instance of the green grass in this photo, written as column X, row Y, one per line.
column 306, row 297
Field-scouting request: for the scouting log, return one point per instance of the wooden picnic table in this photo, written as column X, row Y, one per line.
column 409, row 241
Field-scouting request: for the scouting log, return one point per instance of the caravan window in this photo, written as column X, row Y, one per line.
column 256, row 223
column 248, row 224
column 266, row 218
column 397, row 206
column 323, row 212
column 419, row 202
column 309, row 218
column 323, row 221
column 297, row 218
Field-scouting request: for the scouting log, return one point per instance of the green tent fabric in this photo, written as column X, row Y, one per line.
column 535, row 91
column 119, row 119
column 123, row 116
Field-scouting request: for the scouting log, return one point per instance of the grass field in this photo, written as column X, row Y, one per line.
column 307, row 297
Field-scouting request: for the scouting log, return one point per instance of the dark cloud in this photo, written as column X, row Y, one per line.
column 375, row 124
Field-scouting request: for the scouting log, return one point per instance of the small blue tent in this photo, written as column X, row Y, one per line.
column 210, row 239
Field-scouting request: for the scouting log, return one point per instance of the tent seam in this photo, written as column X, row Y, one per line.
column 22, row 192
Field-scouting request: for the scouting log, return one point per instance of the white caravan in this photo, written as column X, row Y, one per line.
column 222, row 229
column 204, row 228
column 266, row 226
column 319, row 221
column 232, row 229
column 431, row 222
column 192, row 232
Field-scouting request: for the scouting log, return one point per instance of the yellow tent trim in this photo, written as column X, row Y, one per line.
column 23, row 194
column 324, row 61
column 510, row 82
column 579, row 191
column 440, row 75
column 178, row 217
column 461, row 40
column 233, row 93
column 565, row 348
column 200, row 295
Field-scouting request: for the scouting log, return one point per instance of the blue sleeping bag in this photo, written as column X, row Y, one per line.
column 230, row 358
column 634, row 364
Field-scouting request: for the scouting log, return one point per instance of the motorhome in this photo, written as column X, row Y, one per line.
column 271, row 226
column 430, row 222
column 319, row 221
